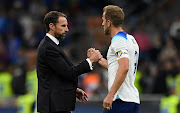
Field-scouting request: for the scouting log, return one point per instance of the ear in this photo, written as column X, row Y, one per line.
column 52, row 26
column 108, row 23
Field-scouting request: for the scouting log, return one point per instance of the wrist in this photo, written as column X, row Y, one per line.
column 111, row 95
column 92, row 61
column 99, row 61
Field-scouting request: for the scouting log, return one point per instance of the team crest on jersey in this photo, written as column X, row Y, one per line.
column 119, row 53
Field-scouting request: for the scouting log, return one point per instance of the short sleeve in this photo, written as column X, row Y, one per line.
column 120, row 47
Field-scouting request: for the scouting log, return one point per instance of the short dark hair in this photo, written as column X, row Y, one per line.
column 115, row 14
column 52, row 17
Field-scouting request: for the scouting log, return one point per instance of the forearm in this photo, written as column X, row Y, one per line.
column 74, row 71
column 64, row 70
column 103, row 62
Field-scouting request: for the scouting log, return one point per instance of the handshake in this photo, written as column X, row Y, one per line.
column 94, row 55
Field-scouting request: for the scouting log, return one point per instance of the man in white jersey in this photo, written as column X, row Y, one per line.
column 122, row 60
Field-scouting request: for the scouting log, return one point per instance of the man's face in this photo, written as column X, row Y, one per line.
column 61, row 27
column 105, row 25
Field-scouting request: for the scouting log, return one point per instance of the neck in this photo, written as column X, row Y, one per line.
column 114, row 31
column 51, row 33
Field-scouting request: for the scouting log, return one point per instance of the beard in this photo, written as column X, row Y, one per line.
column 60, row 36
column 107, row 31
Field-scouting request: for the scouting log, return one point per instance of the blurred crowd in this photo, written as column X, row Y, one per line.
column 155, row 24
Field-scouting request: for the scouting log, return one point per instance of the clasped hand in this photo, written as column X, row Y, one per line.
column 94, row 55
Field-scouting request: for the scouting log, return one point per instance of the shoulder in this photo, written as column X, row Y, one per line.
column 119, row 37
column 47, row 43
column 119, row 40
column 45, row 46
column 130, row 36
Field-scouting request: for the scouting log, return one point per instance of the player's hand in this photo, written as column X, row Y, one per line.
column 91, row 51
column 81, row 95
column 96, row 55
column 107, row 103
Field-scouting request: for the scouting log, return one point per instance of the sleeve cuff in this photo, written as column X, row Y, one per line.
column 90, row 64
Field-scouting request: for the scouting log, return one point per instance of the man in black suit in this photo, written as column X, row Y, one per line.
column 57, row 76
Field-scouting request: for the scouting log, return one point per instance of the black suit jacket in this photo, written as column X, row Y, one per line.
column 57, row 78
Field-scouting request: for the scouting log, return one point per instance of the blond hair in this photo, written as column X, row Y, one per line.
column 114, row 14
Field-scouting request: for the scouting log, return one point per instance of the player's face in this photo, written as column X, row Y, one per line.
column 105, row 25
column 61, row 27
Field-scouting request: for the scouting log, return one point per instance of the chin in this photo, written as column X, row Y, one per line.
column 107, row 33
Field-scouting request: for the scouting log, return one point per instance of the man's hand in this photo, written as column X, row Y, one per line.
column 107, row 103
column 90, row 52
column 81, row 95
column 93, row 55
column 102, row 61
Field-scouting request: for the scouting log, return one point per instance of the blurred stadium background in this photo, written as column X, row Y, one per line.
column 155, row 25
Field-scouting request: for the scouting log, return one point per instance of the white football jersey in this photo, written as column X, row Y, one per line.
column 123, row 45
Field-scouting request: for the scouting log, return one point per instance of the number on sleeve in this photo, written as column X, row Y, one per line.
column 136, row 56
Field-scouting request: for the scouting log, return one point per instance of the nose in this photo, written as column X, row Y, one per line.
column 67, row 29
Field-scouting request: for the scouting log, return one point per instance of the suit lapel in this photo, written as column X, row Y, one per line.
column 65, row 56
column 60, row 50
